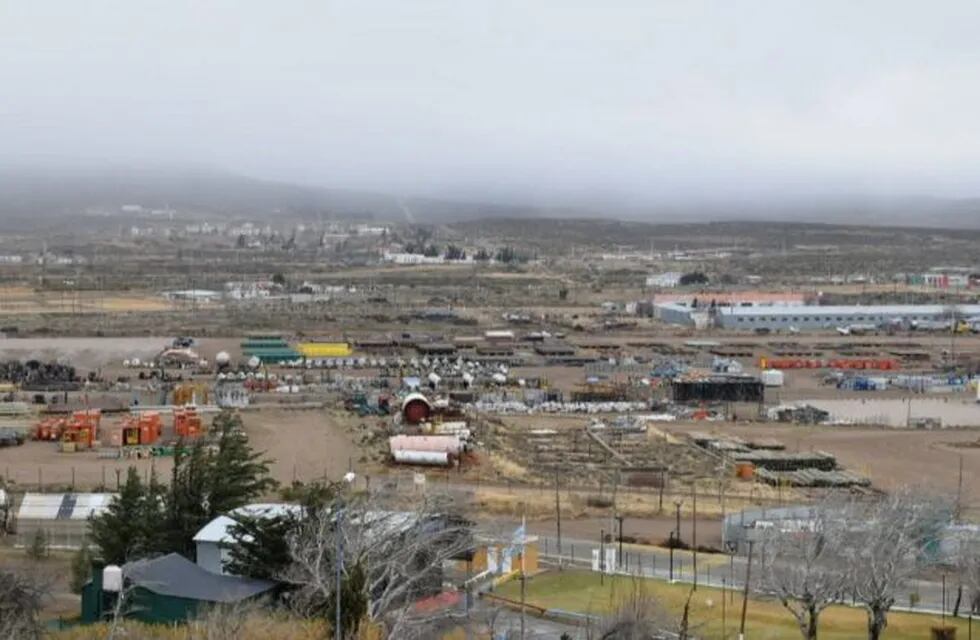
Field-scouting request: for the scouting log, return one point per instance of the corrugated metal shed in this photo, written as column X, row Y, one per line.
column 63, row 506
column 62, row 517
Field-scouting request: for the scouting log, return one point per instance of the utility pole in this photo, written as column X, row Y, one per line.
column 619, row 557
column 724, row 620
column 338, row 630
column 745, row 594
column 558, row 517
column 677, row 508
column 694, row 535
column 959, row 491
column 673, row 543
column 602, row 556
column 660, row 508
column 523, row 571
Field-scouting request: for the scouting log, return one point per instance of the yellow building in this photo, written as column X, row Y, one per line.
column 324, row 349
column 493, row 556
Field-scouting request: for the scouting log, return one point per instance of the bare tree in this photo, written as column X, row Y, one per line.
column 883, row 547
column 969, row 569
column 390, row 559
column 639, row 616
column 231, row 622
column 21, row 598
column 802, row 566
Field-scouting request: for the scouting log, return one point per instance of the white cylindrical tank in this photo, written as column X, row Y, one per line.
column 112, row 579
column 448, row 444
column 435, row 458
column 434, row 378
column 499, row 378
column 254, row 362
column 223, row 359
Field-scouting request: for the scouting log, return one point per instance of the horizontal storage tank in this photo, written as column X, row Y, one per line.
column 448, row 444
column 416, row 408
column 435, row 458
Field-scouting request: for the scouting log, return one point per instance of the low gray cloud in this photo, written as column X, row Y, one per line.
column 540, row 100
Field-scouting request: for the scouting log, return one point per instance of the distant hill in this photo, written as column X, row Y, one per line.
column 32, row 197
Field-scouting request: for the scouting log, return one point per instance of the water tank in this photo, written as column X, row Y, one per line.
column 436, row 458
column 112, row 579
column 416, row 408
column 448, row 444
column 223, row 359
column 254, row 362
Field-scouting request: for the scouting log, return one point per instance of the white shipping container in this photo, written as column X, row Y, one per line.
column 773, row 378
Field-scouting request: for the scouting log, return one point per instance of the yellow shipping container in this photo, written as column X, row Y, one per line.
column 324, row 349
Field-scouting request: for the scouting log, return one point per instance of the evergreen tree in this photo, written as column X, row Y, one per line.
column 152, row 518
column 216, row 476
column 238, row 474
column 261, row 548
column 81, row 568
column 186, row 504
column 38, row 549
column 118, row 531
column 353, row 600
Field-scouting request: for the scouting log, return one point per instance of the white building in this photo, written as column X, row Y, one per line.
column 667, row 280
column 214, row 541
column 412, row 258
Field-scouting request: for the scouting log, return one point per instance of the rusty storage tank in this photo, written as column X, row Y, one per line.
column 416, row 408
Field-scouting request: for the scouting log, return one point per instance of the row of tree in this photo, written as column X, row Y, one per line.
column 857, row 550
column 211, row 477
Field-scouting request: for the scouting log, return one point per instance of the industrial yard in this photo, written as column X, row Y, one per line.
column 532, row 385
column 608, row 369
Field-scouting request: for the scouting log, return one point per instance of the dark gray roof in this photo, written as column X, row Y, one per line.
column 175, row 575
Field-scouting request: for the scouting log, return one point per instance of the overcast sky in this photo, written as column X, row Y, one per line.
column 536, row 98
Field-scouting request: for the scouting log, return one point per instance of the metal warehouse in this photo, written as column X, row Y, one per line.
column 817, row 317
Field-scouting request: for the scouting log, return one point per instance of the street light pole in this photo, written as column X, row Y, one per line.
column 745, row 594
column 673, row 543
column 619, row 558
column 677, row 509
column 338, row 631
column 694, row 535
column 602, row 556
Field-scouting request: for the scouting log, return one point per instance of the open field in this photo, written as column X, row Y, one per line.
column 302, row 445
column 890, row 457
column 581, row 591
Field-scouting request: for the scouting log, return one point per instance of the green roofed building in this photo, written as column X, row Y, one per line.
column 167, row 590
column 269, row 348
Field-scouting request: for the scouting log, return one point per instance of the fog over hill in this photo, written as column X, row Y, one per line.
column 30, row 197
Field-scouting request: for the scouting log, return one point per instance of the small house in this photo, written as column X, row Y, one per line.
column 165, row 590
